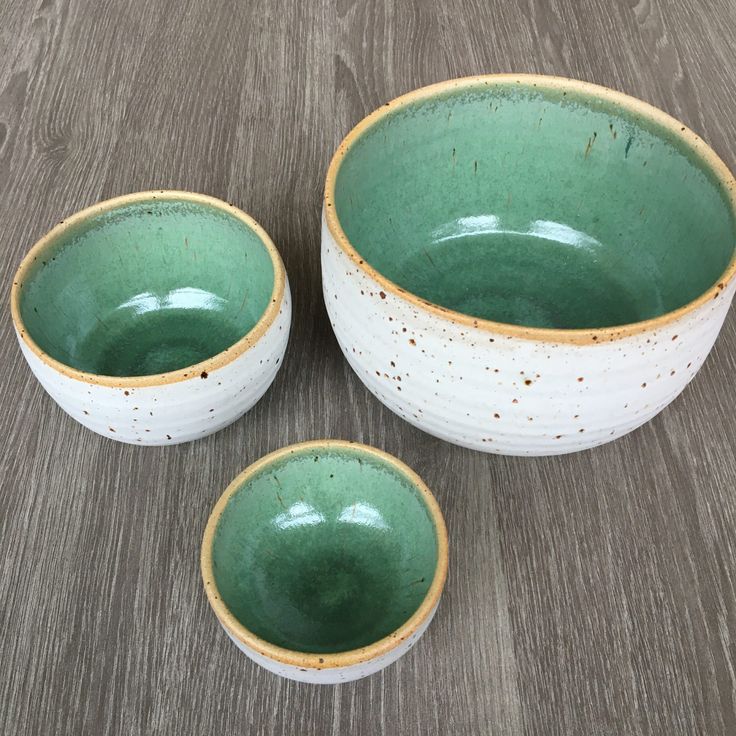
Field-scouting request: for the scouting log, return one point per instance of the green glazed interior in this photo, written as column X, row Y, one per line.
column 325, row 550
column 536, row 207
column 147, row 287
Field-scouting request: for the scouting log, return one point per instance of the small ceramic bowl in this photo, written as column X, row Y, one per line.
column 526, row 265
column 324, row 562
column 154, row 318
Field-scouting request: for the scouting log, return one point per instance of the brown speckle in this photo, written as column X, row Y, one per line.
column 111, row 429
column 85, row 412
column 127, row 393
column 644, row 385
column 497, row 416
column 203, row 374
column 412, row 341
column 580, row 379
column 591, row 141
column 528, row 382
column 515, row 401
column 674, row 337
column 382, row 294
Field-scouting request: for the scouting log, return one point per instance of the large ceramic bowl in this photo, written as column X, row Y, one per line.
column 325, row 561
column 154, row 318
column 526, row 265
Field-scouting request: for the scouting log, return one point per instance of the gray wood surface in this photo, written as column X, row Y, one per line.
column 591, row 594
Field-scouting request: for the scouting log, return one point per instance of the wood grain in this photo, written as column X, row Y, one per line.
column 591, row 594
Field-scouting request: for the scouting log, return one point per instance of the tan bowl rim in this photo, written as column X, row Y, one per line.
column 586, row 335
column 351, row 657
column 192, row 371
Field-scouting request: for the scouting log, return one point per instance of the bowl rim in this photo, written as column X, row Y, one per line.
column 581, row 336
column 325, row 661
column 195, row 370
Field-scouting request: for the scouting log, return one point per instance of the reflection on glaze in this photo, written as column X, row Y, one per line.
column 302, row 514
column 152, row 333
column 184, row 298
column 299, row 514
column 364, row 514
column 482, row 266
column 464, row 227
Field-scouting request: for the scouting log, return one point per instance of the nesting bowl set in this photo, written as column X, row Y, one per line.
column 521, row 265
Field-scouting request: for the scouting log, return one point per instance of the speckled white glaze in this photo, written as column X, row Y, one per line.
column 335, row 675
column 502, row 393
column 171, row 412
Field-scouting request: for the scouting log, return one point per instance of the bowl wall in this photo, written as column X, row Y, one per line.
column 154, row 318
column 325, row 561
column 325, row 551
column 569, row 206
column 147, row 287
column 534, row 205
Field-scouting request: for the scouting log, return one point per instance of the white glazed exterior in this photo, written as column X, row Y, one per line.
column 502, row 393
column 180, row 411
column 503, row 388
column 334, row 675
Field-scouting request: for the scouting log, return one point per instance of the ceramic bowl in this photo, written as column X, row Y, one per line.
column 526, row 265
column 154, row 318
column 324, row 562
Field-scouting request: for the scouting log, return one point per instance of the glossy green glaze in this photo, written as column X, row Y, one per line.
column 146, row 288
column 325, row 551
column 537, row 207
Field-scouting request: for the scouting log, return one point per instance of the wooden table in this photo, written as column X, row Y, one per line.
column 590, row 594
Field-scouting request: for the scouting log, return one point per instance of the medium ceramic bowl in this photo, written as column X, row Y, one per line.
column 324, row 562
column 526, row 265
column 154, row 318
